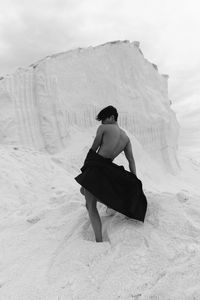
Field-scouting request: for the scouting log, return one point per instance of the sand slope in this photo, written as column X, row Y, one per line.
column 47, row 243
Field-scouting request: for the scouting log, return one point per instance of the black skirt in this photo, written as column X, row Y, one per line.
column 112, row 185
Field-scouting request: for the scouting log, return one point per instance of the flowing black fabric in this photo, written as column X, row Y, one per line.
column 112, row 185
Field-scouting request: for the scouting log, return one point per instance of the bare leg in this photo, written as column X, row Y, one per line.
column 91, row 205
column 82, row 191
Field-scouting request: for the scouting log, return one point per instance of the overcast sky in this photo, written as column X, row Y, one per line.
column 168, row 31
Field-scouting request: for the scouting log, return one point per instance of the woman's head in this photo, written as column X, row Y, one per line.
column 107, row 113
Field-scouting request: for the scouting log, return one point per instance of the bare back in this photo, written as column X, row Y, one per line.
column 113, row 142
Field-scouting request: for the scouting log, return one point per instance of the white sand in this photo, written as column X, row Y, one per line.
column 47, row 244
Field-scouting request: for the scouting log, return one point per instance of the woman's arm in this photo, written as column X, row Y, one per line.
column 129, row 155
column 98, row 139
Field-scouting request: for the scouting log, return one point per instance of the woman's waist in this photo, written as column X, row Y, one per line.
column 105, row 154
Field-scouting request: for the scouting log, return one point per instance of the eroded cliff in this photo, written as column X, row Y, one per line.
column 39, row 104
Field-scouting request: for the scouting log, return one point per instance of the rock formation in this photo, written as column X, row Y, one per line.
column 40, row 103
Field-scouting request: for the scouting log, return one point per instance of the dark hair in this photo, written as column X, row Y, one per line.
column 106, row 113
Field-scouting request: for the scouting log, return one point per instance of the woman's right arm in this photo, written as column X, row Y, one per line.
column 129, row 155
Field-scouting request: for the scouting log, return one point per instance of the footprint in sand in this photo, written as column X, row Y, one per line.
column 183, row 196
column 33, row 220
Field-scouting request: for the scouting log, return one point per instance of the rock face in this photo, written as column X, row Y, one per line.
column 39, row 104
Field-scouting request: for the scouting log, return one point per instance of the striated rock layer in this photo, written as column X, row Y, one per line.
column 39, row 104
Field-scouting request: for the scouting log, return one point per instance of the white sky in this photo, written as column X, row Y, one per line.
column 168, row 31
